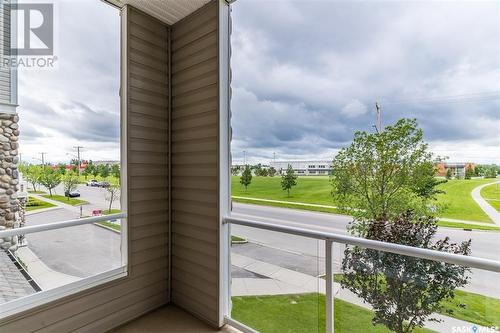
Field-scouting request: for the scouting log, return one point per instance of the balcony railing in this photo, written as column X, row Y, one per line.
column 331, row 238
column 70, row 286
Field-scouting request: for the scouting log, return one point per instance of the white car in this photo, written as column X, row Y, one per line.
column 93, row 183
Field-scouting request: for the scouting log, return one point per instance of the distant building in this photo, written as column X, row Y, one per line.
column 457, row 168
column 105, row 162
column 304, row 168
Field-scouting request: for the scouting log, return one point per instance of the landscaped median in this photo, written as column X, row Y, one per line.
column 35, row 204
column 313, row 193
column 491, row 194
column 65, row 200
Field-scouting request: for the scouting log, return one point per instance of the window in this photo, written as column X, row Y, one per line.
column 65, row 138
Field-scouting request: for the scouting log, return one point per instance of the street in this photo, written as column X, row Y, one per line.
column 280, row 246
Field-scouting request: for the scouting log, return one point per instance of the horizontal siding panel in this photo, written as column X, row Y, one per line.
column 201, row 195
column 149, row 230
column 189, row 50
column 187, row 300
column 208, row 105
column 138, row 69
column 211, row 213
column 180, row 160
column 143, row 169
column 158, row 123
column 195, row 34
column 199, row 233
column 138, row 81
column 204, row 56
column 142, row 244
column 194, row 219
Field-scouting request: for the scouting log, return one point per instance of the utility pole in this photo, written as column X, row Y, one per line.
column 379, row 117
column 79, row 160
column 245, row 157
column 43, row 159
column 274, row 158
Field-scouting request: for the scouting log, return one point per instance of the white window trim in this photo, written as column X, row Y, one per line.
column 224, row 162
column 46, row 296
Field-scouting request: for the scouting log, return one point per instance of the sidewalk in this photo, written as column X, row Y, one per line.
column 282, row 281
column 45, row 277
column 484, row 205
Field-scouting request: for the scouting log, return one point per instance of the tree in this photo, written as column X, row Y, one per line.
column 112, row 194
column 70, row 182
column 490, row 172
column 468, row 172
column 61, row 168
column 271, row 172
column 449, row 174
column 403, row 291
column 246, row 177
column 86, row 172
column 258, row 170
column 235, row 170
column 33, row 174
column 383, row 174
column 288, row 180
column 115, row 171
column 50, row 179
column 94, row 170
column 104, row 171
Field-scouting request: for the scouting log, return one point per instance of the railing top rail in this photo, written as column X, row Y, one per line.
column 59, row 225
column 468, row 261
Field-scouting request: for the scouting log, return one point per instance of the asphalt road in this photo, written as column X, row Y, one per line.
column 484, row 244
column 80, row 251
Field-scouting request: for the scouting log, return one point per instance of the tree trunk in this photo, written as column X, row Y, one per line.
column 110, row 203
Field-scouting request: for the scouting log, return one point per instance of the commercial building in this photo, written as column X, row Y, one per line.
column 305, row 168
column 457, row 168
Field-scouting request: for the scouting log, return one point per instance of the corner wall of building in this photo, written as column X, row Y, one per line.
column 195, row 163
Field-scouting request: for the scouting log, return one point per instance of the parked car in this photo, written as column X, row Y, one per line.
column 72, row 194
column 103, row 184
column 92, row 183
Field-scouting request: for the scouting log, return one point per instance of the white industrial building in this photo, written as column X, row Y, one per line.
column 304, row 168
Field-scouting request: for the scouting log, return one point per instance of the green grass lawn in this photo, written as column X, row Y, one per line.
column 113, row 226
column 113, row 211
column 458, row 200
column 37, row 192
column 35, row 204
column 492, row 195
column 458, row 225
column 474, row 308
column 471, row 307
column 301, row 313
column 457, row 203
column 63, row 199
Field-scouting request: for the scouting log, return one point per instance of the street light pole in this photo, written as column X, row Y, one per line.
column 43, row 159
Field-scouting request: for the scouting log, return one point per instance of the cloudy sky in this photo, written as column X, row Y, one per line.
column 306, row 75
column 77, row 103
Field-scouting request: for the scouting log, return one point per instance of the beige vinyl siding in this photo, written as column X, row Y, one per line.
column 104, row 307
column 195, row 169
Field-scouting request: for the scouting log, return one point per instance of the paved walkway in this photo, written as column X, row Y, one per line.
column 282, row 281
column 485, row 206
column 45, row 277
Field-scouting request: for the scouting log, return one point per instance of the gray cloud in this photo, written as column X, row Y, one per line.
column 299, row 66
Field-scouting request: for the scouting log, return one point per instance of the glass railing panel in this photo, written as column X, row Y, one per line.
column 50, row 259
column 277, row 282
column 383, row 292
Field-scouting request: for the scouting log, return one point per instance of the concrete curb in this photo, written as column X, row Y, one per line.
column 108, row 228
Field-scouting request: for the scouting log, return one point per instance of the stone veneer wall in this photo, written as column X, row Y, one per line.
column 9, row 174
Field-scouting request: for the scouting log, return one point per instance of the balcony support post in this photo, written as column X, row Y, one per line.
column 329, row 287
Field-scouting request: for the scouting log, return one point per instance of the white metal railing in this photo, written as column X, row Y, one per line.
column 58, row 225
column 330, row 238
